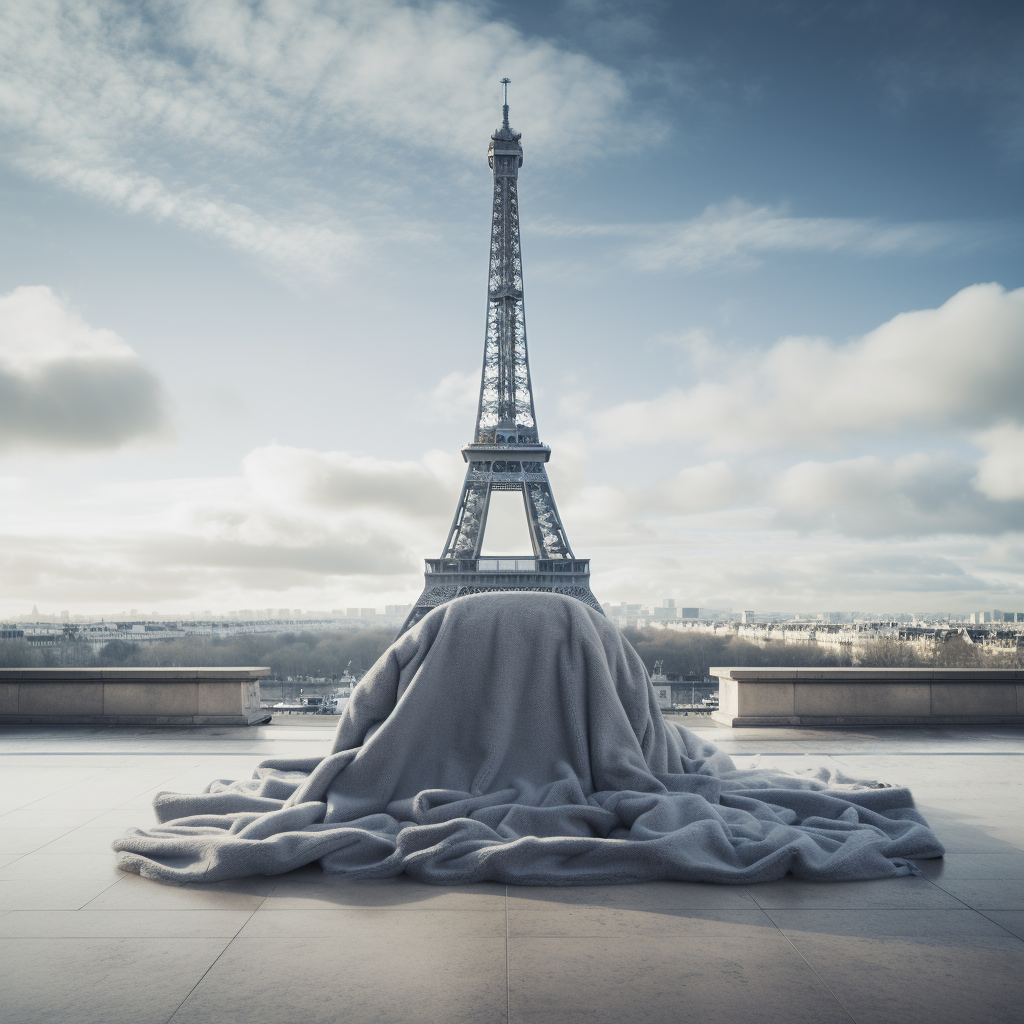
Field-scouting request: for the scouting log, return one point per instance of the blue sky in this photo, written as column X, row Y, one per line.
column 773, row 282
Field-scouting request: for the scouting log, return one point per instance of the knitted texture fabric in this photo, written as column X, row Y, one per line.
column 516, row 737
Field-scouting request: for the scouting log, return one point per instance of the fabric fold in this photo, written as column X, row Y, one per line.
column 516, row 738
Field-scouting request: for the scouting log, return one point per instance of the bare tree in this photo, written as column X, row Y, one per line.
column 888, row 652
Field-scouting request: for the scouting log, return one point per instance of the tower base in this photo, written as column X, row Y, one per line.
column 448, row 578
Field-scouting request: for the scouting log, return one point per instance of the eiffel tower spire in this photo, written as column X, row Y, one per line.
column 506, row 453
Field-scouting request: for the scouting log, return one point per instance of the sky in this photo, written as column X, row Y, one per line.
column 772, row 266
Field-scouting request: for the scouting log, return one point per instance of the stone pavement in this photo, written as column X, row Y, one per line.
column 81, row 943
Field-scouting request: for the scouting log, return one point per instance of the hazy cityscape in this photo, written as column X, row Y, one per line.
column 641, row 614
column 684, row 640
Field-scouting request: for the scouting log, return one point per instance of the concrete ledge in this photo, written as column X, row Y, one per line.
column 869, row 696
column 131, row 696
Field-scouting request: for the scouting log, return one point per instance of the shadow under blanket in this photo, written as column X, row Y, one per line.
column 516, row 737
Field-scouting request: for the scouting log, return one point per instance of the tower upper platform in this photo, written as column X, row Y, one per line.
column 505, row 152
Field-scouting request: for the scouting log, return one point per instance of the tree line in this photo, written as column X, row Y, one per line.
column 693, row 653
column 326, row 654
column 329, row 654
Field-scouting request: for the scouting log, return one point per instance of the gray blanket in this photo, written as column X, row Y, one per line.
column 516, row 737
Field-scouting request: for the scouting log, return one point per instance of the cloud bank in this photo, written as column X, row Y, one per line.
column 293, row 522
column 65, row 385
column 931, row 403
column 756, row 520
column 956, row 368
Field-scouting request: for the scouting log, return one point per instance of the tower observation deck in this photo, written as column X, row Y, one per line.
column 506, row 453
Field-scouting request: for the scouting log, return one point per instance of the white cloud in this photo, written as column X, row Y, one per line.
column 344, row 481
column 957, row 367
column 67, row 385
column 295, row 527
column 301, row 528
column 37, row 328
column 917, row 494
column 221, row 116
column 1001, row 470
column 913, row 495
column 737, row 233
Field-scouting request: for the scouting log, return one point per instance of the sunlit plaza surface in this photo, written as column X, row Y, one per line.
column 82, row 942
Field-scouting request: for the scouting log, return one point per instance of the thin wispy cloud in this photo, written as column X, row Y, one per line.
column 245, row 123
column 739, row 234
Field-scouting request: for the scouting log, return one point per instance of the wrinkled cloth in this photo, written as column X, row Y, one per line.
column 516, row 737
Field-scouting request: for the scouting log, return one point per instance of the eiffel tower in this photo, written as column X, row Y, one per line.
column 506, row 453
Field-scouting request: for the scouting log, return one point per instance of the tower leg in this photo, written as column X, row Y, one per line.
column 545, row 524
column 467, row 532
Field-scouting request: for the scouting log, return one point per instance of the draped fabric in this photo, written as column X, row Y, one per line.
column 516, row 737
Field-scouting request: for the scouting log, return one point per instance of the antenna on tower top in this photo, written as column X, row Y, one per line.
column 505, row 83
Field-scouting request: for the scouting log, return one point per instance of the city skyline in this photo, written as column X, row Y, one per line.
column 665, row 609
column 772, row 256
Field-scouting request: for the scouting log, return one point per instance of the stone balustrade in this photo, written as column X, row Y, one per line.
column 131, row 696
column 869, row 696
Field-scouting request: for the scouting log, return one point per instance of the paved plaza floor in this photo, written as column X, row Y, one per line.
column 80, row 942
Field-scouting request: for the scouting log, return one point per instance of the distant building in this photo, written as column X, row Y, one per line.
column 668, row 610
column 999, row 616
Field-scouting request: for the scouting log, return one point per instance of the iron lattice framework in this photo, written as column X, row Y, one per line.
column 506, row 453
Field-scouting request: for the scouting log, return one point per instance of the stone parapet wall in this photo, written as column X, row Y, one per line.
column 869, row 696
column 131, row 696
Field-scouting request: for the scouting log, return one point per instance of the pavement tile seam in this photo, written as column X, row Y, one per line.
column 931, row 926
column 56, row 949
column 62, row 830
column 100, row 893
column 931, row 881
column 821, row 980
column 199, row 981
column 954, row 884
column 55, row 927
column 999, row 923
